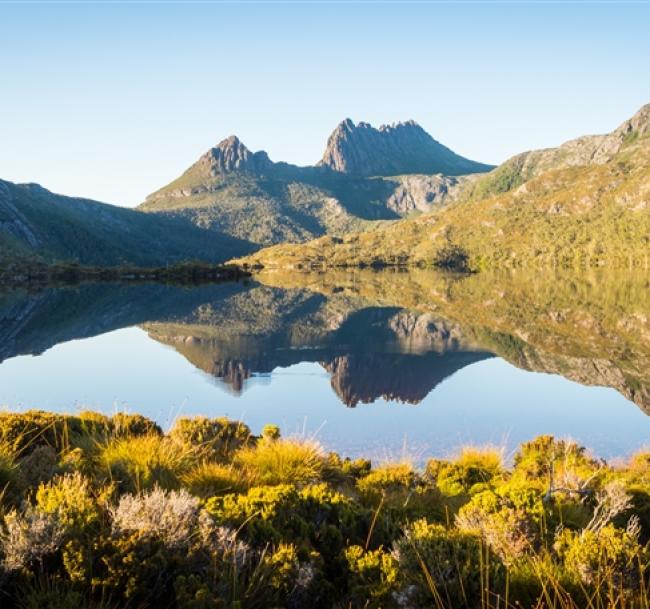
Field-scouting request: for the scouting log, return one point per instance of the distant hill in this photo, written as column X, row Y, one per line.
column 245, row 194
column 402, row 148
column 38, row 225
column 585, row 203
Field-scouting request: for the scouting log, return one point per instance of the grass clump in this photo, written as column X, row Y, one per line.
column 279, row 461
column 142, row 462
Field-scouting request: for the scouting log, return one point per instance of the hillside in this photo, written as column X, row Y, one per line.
column 585, row 203
column 38, row 225
column 245, row 194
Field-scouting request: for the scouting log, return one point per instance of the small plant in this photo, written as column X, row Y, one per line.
column 172, row 516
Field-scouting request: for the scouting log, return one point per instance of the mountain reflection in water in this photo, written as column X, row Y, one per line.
column 391, row 335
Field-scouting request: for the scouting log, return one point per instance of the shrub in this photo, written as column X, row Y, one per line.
column 23, row 432
column 171, row 516
column 220, row 437
column 373, row 577
column 28, row 537
column 39, row 465
column 445, row 565
column 283, row 461
column 610, row 557
column 562, row 462
column 507, row 528
column 8, row 468
column 142, row 462
column 473, row 470
column 69, row 499
column 209, row 479
column 316, row 515
column 400, row 494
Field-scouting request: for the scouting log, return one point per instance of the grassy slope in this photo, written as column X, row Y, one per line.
column 91, row 233
column 581, row 215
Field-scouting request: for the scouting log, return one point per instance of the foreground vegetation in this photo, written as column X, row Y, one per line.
column 111, row 512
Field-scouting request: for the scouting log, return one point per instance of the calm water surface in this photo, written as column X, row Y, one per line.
column 377, row 365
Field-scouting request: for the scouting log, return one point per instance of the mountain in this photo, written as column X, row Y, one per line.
column 585, row 203
column 586, row 150
column 401, row 148
column 38, row 225
column 245, row 194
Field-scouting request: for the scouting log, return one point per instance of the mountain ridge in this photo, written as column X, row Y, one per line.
column 246, row 194
column 582, row 204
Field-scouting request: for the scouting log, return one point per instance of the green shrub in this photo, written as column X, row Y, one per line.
column 446, row 565
column 209, row 479
column 220, row 437
column 69, row 498
column 373, row 577
column 142, row 462
column 473, row 470
column 610, row 558
column 283, row 461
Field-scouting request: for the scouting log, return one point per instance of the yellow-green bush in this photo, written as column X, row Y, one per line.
column 142, row 462
column 110, row 512
column 283, row 461
column 220, row 437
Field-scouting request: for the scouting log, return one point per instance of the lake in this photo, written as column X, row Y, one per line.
column 382, row 364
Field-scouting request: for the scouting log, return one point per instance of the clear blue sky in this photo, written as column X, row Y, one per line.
column 113, row 100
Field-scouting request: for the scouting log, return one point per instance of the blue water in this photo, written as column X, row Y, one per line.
column 488, row 402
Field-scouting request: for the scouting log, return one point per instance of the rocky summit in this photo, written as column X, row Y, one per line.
column 366, row 174
column 401, row 148
column 231, row 155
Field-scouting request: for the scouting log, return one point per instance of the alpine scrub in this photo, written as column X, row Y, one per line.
column 101, row 512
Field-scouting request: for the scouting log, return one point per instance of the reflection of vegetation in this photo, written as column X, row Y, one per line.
column 65, row 273
column 590, row 327
column 210, row 515
column 390, row 334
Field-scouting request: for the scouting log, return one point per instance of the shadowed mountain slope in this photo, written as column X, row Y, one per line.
column 38, row 225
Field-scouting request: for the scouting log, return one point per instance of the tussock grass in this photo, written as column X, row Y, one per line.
column 283, row 461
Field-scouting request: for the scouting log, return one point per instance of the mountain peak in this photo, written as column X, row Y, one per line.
column 231, row 155
column 398, row 148
column 639, row 124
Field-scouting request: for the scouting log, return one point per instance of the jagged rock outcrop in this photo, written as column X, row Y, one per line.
column 245, row 194
column 401, row 148
column 231, row 155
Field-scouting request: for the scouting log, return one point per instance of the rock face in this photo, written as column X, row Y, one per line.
column 423, row 193
column 231, row 155
column 402, row 148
